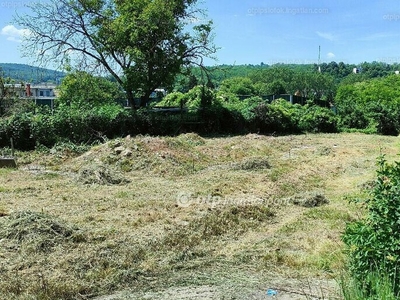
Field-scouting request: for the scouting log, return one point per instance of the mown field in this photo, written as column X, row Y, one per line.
column 184, row 217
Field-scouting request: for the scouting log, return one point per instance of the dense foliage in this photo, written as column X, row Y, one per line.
column 84, row 90
column 86, row 109
column 374, row 242
column 372, row 105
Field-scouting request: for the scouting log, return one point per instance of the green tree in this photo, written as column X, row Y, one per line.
column 276, row 87
column 238, row 86
column 8, row 93
column 314, row 85
column 282, row 74
column 143, row 44
column 373, row 102
column 83, row 90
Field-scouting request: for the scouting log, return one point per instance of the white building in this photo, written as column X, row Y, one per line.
column 41, row 93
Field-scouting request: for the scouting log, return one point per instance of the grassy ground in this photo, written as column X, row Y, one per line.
column 183, row 217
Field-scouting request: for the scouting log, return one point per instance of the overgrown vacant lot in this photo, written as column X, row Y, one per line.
column 184, row 217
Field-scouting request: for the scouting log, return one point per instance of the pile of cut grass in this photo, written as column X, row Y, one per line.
column 38, row 231
column 100, row 174
column 228, row 220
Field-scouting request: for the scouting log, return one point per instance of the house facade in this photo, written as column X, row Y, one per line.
column 40, row 93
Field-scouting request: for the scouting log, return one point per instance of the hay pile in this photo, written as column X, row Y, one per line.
column 310, row 199
column 100, row 174
column 252, row 163
column 111, row 162
column 38, row 230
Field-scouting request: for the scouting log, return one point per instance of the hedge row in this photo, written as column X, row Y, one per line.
column 42, row 127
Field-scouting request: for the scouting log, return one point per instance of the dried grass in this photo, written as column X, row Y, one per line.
column 100, row 174
column 39, row 231
column 310, row 199
column 110, row 237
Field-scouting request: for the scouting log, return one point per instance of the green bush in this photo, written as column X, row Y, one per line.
column 82, row 89
column 238, row 86
column 291, row 112
column 352, row 116
column 373, row 243
column 85, row 126
column 42, row 129
column 385, row 118
column 176, row 99
column 318, row 119
column 18, row 127
column 371, row 105
column 270, row 119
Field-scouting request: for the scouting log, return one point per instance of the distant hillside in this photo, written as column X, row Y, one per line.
column 27, row 73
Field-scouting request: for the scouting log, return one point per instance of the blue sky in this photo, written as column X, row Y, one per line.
column 255, row 31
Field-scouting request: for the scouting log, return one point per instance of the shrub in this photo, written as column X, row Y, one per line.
column 87, row 91
column 238, row 86
column 352, row 115
column 318, row 119
column 278, row 117
column 291, row 112
column 269, row 119
column 173, row 99
column 373, row 243
column 385, row 117
column 87, row 125
column 18, row 127
column 42, row 129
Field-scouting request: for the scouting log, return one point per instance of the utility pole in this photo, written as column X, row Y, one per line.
column 319, row 59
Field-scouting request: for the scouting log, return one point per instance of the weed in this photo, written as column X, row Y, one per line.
column 378, row 284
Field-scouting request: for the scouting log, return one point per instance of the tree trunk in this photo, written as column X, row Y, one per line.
column 131, row 99
column 144, row 99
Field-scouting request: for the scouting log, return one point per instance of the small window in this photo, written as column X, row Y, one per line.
column 41, row 94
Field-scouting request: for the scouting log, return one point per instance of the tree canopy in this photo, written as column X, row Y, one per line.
column 83, row 90
column 143, row 44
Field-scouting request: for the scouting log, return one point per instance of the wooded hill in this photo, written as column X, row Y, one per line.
column 27, row 73
column 368, row 70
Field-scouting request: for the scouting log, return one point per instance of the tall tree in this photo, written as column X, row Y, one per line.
column 143, row 44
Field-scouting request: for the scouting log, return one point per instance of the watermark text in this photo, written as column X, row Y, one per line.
column 186, row 199
column 287, row 10
column 392, row 17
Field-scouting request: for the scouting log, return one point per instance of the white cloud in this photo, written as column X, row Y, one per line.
column 14, row 34
column 328, row 36
column 331, row 55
